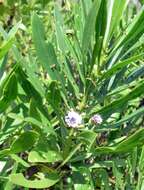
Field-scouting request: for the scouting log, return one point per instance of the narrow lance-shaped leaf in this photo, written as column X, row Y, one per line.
column 90, row 25
column 129, row 117
column 60, row 33
column 3, row 63
column 9, row 92
column 126, row 145
column 117, row 105
column 42, row 48
column 115, row 13
column 5, row 47
column 100, row 28
column 120, row 65
column 139, row 72
column 133, row 33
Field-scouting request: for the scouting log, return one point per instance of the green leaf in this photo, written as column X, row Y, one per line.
column 27, row 86
column 20, row 180
column 5, row 47
column 139, row 72
column 104, row 179
column 44, row 156
column 70, row 77
column 120, row 65
column 9, row 185
column 3, row 65
column 53, row 94
column 88, row 137
column 34, row 80
column 60, row 33
column 132, row 141
column 134, row 31
column 9, row 92
column 140, row 169
column 90, row 25
column 100, row 28
column 136, row 113
column 24, row 142
column 10, row 88
column 126, row 145
column 65, row 47
column 72, row 152
column 115, row 13
column 19, row 160
column 82, row 178
column 42, row 125
column 119, row 177
column 9, row 39
column 45, row 52
column 44, row 152
column 119, row 104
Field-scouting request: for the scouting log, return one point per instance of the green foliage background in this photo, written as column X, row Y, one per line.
column 82, row 55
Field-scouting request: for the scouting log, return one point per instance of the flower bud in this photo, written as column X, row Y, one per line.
column 96, row 119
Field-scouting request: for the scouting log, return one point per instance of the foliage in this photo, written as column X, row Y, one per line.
column 85, row 56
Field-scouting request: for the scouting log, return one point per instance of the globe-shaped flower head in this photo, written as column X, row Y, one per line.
column 96, row 119
column 73, row 119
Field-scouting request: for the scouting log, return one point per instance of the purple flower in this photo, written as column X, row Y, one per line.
column 96, row 119
column 73, row 119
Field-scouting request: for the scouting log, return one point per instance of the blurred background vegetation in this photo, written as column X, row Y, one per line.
column 13, row 11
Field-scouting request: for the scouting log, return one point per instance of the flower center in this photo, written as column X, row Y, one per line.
column 72, row 120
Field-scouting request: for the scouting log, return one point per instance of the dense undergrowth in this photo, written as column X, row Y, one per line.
column 71, row 95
